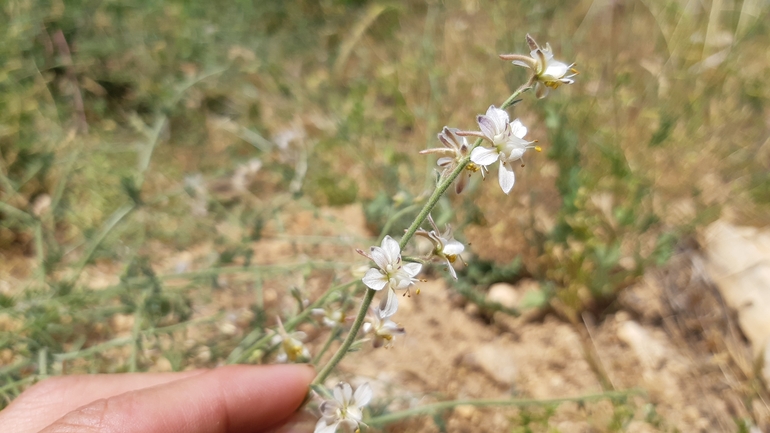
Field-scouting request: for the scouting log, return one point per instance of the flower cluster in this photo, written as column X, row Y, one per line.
column 499, row 140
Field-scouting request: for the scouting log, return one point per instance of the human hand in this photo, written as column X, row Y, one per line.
column 231, row 399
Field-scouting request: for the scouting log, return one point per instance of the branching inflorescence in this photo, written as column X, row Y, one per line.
column 498, row 140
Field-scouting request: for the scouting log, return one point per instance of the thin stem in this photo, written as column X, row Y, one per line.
column 393, row 218
column 444, row 405
column 332, row 336
column 421, row 217
column 351, row 337
column 238, row 354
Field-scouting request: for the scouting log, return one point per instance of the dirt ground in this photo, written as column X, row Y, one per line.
column 671, row 337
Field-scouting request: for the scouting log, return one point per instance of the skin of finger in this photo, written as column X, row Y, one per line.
column 232, row 399
column 300, row 422
column 50, row 399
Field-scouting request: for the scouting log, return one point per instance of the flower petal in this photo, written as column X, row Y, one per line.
column 391, row 248
column 461, row 183
column 379, row 257
column 556, row 70
column 499, row 117
column 388, row 305
column 541, row 91
column 518, row 128
column 487, row 126
column 484, row 155
column 412, row 268
column 453, row 248
column 506, row 177
column 375, row 279
column 451, row 269
column 322, row 427
column 362, row 396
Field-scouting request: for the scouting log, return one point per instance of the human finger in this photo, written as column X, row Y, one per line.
column 233, row 399
column 50, row 399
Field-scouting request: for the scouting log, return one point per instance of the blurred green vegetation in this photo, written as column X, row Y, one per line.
column 125, row 126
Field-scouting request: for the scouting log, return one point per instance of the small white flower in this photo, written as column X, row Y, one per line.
column 390, row 270
column 379, row 323
column 290, row 346
column 344, row 410
column 508, row 144
column 445, row 247
column 455, row 149
column 330, row 318
column 547, row 73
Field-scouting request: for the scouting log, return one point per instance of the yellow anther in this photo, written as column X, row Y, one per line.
column 538, row 148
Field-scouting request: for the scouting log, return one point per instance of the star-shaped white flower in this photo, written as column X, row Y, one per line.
column 390, row 270
column 508, row 144
column 547, row 73
column 345, row 409
column 379, row 324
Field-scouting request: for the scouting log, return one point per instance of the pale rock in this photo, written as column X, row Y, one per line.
column 738, row 261
column 504, row 294
column 650, row 352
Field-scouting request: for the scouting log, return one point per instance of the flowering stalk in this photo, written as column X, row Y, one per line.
column 441, row 188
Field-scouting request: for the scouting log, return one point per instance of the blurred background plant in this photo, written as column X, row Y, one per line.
column 164, row 165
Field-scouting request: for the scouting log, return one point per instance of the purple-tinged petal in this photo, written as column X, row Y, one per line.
column 487, row 126
column 499, row 117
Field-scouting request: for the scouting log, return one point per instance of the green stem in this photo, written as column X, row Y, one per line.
column 332, row 336
column 239, row 354
column 421, row 217
column 351, row 337
column 444, row 405
column 393, row 218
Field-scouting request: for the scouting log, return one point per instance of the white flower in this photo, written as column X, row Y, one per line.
column 344, row 410
column 379, row 323
column 445, row 247
column 331, row 318
column 455, row 149
column 390, row 270
column 290, row 347
column 547, row 72
column 508, row 144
